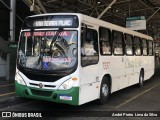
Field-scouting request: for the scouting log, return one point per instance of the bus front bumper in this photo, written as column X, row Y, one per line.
column 70, row 96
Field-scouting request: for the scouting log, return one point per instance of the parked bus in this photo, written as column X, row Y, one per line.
column 74, row 59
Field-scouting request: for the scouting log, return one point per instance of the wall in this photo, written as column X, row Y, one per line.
column 2, row 67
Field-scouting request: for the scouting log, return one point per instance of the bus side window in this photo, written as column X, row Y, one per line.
column 150, row 47
column 144, row 47
column 89, row 48
column 137, row 46
column 118, row 43
column 129, row 44
column 105, row 41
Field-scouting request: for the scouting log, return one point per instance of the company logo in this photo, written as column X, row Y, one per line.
column 40, row 85
column 20, row 114
column 6, row 114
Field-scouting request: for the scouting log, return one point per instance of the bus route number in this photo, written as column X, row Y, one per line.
column 106, row 65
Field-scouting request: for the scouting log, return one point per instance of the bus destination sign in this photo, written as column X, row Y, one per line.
column 51, row 21
column 54, row 22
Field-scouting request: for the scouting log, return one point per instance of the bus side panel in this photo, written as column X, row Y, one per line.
column 129, row 69
column 145, row 65
column 115, row 67
column 118, row 71
column 151, row 66
column 88, row 92
column 137, row 68
column 89, row 79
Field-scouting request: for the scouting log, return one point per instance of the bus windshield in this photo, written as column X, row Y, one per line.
column 48, row 50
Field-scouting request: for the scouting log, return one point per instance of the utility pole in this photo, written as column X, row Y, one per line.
column 12, row 20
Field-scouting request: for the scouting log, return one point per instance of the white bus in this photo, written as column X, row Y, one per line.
column 74, row 59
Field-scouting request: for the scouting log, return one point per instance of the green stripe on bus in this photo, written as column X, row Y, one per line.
column 22, row 90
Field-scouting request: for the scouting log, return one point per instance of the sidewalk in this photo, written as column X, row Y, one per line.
column 7, row 90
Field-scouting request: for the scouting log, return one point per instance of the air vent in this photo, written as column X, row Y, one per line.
column 42, row 77
column 41, row 93
column 51, row 86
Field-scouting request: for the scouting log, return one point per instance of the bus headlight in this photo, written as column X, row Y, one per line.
column 68, row 84
column 19, row 79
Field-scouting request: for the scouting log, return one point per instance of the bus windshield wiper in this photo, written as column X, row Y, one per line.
column 43, row 42
column 55, row 37
column 42, row 45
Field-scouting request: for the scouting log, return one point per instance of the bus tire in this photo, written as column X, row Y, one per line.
column 104, row 92
column 141, row 79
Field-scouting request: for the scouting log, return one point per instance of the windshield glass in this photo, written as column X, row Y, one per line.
column 48, row 50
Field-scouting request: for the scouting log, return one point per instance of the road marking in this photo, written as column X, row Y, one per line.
column 6, row 94
column 6, row 85
column 129, row 100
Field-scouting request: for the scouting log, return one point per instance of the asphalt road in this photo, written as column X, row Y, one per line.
column 124, row 101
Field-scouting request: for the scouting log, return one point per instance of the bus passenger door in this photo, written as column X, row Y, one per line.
column 89, row 75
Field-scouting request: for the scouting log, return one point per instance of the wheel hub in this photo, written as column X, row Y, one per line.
column 105, row 90
column 141, row 80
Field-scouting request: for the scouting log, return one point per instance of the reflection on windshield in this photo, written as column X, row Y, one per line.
column 35, row 52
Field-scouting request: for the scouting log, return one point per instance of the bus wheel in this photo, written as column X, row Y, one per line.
column 104, row 92
column 141, row 79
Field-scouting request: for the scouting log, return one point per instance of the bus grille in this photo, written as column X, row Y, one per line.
column 41, row 93
column 42, row 77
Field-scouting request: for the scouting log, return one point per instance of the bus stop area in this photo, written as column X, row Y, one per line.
column 46, row 72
